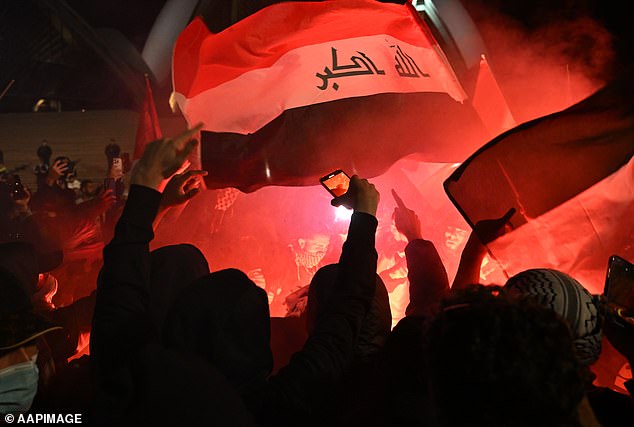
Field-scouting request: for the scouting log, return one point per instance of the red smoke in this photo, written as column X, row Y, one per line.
column 539, row 71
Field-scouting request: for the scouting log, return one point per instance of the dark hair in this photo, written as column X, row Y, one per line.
column 112, row 150
column 377, row 322
column 44, row 152
column 498, row 360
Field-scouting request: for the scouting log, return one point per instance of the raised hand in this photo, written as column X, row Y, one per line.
column 490, row 229
column 361, row 196
column 405, row 220
column 56, row 171
column 182, row 187
column 163, row 158
column 484, row 232
column 107, row 199
column 22, row 205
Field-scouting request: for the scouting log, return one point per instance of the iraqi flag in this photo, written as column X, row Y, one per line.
column 299, row 89
column 570, row 177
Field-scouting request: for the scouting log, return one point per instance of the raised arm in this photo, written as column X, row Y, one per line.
column 121, row 322
column 179, row 189
column 328, row 351
column 426, row 274
column 484, row 232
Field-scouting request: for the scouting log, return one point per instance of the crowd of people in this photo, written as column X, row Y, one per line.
column 161, row 339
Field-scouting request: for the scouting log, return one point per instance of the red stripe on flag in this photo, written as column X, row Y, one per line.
column 297, row 54
column 203, row 61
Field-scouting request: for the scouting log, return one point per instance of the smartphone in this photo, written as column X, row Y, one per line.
column 336, row 182
column 116, row 185
column 17, row 189
column 125, row 159
column 619, row 286
column 117, row 167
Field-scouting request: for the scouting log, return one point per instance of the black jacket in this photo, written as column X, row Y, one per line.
column 123, row 328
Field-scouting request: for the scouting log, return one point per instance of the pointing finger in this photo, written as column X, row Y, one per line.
column 507, row 216
column 398, row 200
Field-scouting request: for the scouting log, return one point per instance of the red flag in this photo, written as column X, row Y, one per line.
column 569, row 175
column 149, row 128
column 489, row 101
column 302, row 88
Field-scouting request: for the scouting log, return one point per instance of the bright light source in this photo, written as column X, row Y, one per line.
column 267, row 170
column 342, row 213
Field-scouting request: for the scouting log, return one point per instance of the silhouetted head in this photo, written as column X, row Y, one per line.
column 112, row 150
column 44, row 153
column 377, row 323
column 498, row 360
column 224, row 318
column 173, row 268
column 570, row 300
column 26, row 261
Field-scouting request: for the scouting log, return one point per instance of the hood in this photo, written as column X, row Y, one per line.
column 224, row 318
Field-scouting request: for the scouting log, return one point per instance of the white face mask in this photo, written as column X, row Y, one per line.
column 18, row 386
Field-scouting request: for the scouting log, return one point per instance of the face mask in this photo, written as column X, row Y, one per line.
column 18, row 385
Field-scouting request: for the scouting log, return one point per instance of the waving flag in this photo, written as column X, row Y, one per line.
column 302, row 88
column 149, row 128
column 570, row 177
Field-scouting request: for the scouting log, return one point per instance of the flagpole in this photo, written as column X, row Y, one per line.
column 153, row 117
column 6, row 89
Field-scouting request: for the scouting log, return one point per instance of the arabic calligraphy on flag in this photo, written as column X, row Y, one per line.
column 309, row 75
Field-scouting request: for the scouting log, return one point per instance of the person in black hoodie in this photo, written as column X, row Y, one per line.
column 345, row 398
column 395, row 394
column 135, row 376
column 219, row 333
column 224, row 318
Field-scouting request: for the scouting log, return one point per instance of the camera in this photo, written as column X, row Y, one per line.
column 70, row 172
column 16, row 189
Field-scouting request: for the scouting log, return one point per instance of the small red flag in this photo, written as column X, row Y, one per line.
column 149, row 128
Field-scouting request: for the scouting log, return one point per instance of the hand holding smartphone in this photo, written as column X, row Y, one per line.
column 353, row 193
column 336, row 182
column 116, row 186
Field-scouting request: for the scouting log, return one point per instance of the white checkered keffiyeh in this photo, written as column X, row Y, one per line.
column 568, row 298
column 226, row 198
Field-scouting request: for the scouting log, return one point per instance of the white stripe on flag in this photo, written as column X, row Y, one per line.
column 319, row 73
